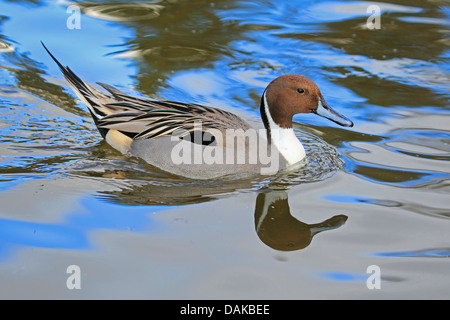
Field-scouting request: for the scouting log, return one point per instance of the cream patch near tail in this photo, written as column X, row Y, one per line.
column 118, row 141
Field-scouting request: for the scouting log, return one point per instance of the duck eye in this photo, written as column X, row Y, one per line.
column 300, row 90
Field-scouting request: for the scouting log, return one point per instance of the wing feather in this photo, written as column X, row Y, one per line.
column 139, row 118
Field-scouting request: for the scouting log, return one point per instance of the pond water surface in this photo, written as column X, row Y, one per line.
column 376, row 194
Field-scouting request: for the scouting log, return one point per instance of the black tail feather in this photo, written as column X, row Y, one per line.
column 79, row 85
column 70, row 75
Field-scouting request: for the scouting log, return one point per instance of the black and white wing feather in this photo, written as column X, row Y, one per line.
column 144, row 118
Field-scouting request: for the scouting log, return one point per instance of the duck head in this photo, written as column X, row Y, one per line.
column 291, row 94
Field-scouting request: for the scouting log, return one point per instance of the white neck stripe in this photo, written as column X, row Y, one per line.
column 284, row 139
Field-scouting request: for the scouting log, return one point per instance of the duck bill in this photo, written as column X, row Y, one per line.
column 324, row 110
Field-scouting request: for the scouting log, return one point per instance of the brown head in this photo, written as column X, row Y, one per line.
column 290, row 94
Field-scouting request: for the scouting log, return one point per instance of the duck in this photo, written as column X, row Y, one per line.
column 196, row 141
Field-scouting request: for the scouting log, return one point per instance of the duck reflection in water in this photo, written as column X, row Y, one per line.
column 278, row 229
column 274, row 224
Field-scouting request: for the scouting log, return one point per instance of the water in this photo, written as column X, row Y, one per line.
column 375, row 194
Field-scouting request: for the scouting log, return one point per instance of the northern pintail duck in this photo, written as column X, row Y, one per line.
column 202, row 142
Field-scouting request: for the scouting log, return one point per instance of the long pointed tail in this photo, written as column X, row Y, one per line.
column 85, row 92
